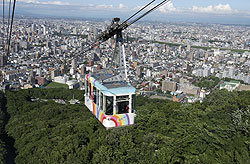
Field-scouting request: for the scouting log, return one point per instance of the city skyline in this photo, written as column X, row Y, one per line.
column 225, row 12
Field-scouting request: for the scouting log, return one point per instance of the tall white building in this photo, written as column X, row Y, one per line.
column 206, row 72
column 44, row 30
column 231, row 72
column 149, row 73
column 225, row 73
column 73, row 63
column 199, row 73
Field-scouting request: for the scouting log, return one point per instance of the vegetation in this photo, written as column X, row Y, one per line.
column 207, row 82
column 3, row 150
column 229, row 79
column 215, row 131
column 199, row 47
column 57, row 85
column 204, row 47
column 53, row 93
column 65, row 34
column 169, row 44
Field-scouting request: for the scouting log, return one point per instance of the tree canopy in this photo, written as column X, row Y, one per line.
column 215, row 131
column 3, row 150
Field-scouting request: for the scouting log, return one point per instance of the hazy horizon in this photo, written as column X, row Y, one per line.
column 219, row 12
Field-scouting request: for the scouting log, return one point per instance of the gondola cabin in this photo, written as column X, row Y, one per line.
column 113, row 102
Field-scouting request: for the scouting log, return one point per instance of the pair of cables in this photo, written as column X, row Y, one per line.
column 118, row 28
column 9, row 24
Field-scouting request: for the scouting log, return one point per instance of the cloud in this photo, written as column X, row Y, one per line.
column 104, row 6
column 168, row 7
column 214, row 9
column 45, row 3
column 55, row 3
column 121, row 6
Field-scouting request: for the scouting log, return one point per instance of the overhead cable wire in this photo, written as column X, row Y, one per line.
column 3, row 13
column 3, row 24
column 139, row 11
column 11, row 24
column 152, row 9
column 8, row 26
column 125, row 24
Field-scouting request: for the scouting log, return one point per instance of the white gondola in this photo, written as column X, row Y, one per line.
column 108, row 94
column 113, row 103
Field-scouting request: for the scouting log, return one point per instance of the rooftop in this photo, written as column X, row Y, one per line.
column 104, row 74
column 112, row 88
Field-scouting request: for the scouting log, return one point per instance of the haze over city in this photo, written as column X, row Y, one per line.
column 212, row 11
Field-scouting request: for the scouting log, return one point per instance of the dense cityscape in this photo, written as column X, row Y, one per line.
column 182, row 62
column 82, row 82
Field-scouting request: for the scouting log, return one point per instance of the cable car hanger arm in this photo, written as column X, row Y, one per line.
column 114, row 29
column 111, row 31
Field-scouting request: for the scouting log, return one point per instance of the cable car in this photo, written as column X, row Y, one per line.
column 108, row 93
column 113, row 103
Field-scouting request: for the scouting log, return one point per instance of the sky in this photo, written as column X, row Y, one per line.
column 203, row 11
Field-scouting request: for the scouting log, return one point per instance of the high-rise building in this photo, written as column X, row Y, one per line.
column 32, row 74
column 135, row 64
column 95, row 33
column 138, row 71
column 3, row 60
column 72, row 71
column 206, row 72
column 55, row 73
column 216, row 52
column 206, row 56
column 191, row 56
column 83, row 70
column 189, row 47
column 64, row 69
column 74, row 31
column 44, row 29
column 231, row 72
column 199, row 73
column 33, row 29
column 225, row 73
column 149, row 73
column 73, row 63
column 96, row 57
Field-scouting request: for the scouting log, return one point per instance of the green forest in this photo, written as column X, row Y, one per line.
column 215, row 131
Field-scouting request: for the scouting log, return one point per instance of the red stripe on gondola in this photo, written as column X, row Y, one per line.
column 114, row 121
column 104, row 117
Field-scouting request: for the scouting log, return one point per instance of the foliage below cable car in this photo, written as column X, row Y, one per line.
column 3, row 150
column 216, row 131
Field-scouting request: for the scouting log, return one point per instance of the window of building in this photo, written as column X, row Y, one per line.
column 109, row 105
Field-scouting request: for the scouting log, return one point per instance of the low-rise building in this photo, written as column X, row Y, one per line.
column 230, row 85
column 168, row 86
column 61, row 79
column 73, row 84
